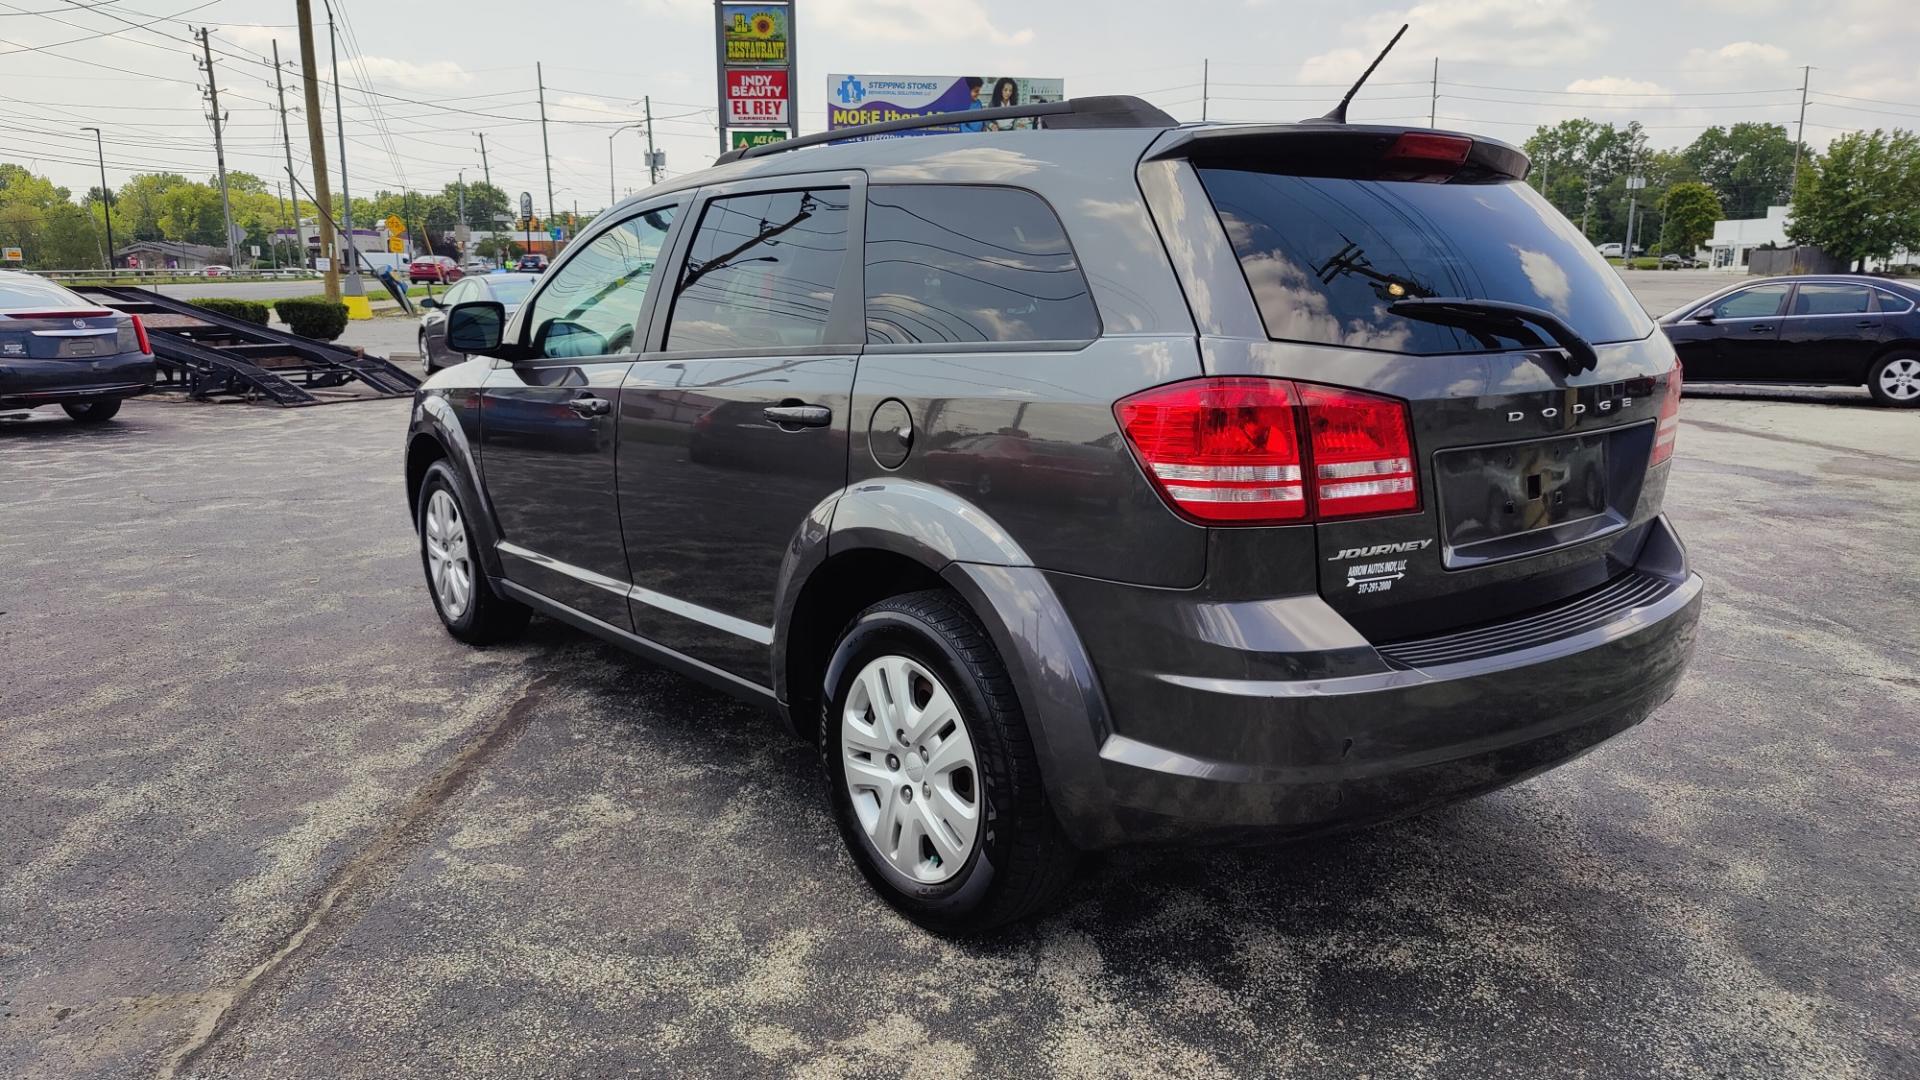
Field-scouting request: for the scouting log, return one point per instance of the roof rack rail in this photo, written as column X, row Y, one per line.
column 1087, row 112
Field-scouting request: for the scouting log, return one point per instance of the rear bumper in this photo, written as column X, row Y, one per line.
column 1188, row 749
column 25, row 384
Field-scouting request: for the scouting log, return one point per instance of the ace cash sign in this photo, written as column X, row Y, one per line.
column 756, row 97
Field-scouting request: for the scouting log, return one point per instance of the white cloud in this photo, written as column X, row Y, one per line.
column 1739, row 54
column 912, row 20
column 1525, row 32
column 434, row 75
column 1614, row 84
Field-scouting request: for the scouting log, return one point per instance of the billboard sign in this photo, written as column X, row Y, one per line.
column 743, row 140
column 871, row 99
column 757, row 97
column 755, row 35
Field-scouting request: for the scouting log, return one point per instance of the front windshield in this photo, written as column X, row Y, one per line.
column 510, row 291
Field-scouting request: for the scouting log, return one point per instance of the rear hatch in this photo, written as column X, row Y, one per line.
column 64, row 334
column 1419, row 267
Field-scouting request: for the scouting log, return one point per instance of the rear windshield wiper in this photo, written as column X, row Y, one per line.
column 1502, row 317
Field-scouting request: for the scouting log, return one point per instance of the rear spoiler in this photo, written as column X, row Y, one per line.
column 1355, row 150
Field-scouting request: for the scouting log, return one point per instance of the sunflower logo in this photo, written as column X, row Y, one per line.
column 762, row 25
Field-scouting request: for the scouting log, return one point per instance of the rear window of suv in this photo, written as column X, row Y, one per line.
column 1325, row 257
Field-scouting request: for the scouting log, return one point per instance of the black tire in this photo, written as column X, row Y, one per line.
column 1879, row 392
column 426, row 358
column 93, row 412
column 1022, row 860
column 488, row 617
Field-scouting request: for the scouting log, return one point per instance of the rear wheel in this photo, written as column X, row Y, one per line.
column 932, row 772
column 92, row 412
column 456, row 579
column 1895, row 380
column 426, row 358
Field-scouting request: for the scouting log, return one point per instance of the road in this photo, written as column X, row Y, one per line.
column 265, row 818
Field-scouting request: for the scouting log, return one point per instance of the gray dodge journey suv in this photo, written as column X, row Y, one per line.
column 1117, row 481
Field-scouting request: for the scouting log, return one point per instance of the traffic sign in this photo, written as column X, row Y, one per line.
column 396, row 244
column 12, row 254
column 395, row 225
column 555, row 232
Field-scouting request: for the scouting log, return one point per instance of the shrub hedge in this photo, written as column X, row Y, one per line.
column 313, row 316
column 253, row 311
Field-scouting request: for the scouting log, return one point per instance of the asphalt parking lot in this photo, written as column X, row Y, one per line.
column 263, row 818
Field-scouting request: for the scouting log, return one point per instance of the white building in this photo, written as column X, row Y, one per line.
column 1731, row 248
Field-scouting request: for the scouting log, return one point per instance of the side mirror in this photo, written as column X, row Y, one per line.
column 430, row 302
column 475, row 326
column 1704, row 318
column 565, row 338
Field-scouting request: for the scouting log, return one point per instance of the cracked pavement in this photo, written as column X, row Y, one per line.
column 261, row 817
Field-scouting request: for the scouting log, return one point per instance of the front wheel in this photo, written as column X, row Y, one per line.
column 1895, row 380
column 92, row 412
column 456, row 578
column 932, row 772
column 426, row 358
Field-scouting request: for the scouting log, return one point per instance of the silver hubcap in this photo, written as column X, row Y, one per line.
column 449, row 569
column 1901, row 379
column 910, row 769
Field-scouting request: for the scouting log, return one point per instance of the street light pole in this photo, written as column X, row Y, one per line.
column 106, row 193
column 613, row 196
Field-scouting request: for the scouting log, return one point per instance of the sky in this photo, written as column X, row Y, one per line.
column 422, row 77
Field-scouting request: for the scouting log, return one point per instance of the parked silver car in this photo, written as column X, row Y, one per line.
column 505, row 289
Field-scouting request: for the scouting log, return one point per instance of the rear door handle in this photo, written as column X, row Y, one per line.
column 798, row 415
column 588, row 405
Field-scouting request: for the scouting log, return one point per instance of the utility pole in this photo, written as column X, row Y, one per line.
column 541, row 81
column 354, row 285
column 1205, row 80
column 286, row 140
column 1433, row 108
column 460, row 223
column 317, row 147
column 280, row 193
column 1799, row 132
column 106, row 193
column 653, row 167
column 219, row 145
column 484, row 170
column 1634, row 184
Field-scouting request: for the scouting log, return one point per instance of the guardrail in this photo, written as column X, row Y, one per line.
column 162, row 277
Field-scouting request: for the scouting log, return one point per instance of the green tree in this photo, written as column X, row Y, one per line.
column 42, row 220
column 139, row 203
column 1861, row 199
column 1689, row 210
column 190, row 213
column 1581, row 167
column 1749, row 165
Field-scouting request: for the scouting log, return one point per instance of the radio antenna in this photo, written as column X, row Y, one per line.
column 1338, row 114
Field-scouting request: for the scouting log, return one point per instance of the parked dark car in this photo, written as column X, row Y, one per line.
column 508, row 289
column 435, row 268
column 531, row 264
column 1840, row 330
column 1674, row 261
column 1339, row 498
column 57, row 348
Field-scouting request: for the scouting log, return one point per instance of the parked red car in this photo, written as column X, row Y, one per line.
column 437, row 268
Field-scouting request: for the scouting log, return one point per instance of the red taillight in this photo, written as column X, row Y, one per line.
column 1362, row 452
column 1237, row 451
column 1430, row 149
column 1221, row 450
column 140, row 335
column 1667, row 429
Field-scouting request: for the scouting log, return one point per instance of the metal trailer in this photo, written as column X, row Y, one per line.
column 211, row 354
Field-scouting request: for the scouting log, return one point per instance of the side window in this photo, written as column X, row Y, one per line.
column 592, row 304
column 1832, row 300
column 1891, row 304
column 1758, row 302
column 958, row 263
column 761, row 272
column 460, row 294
